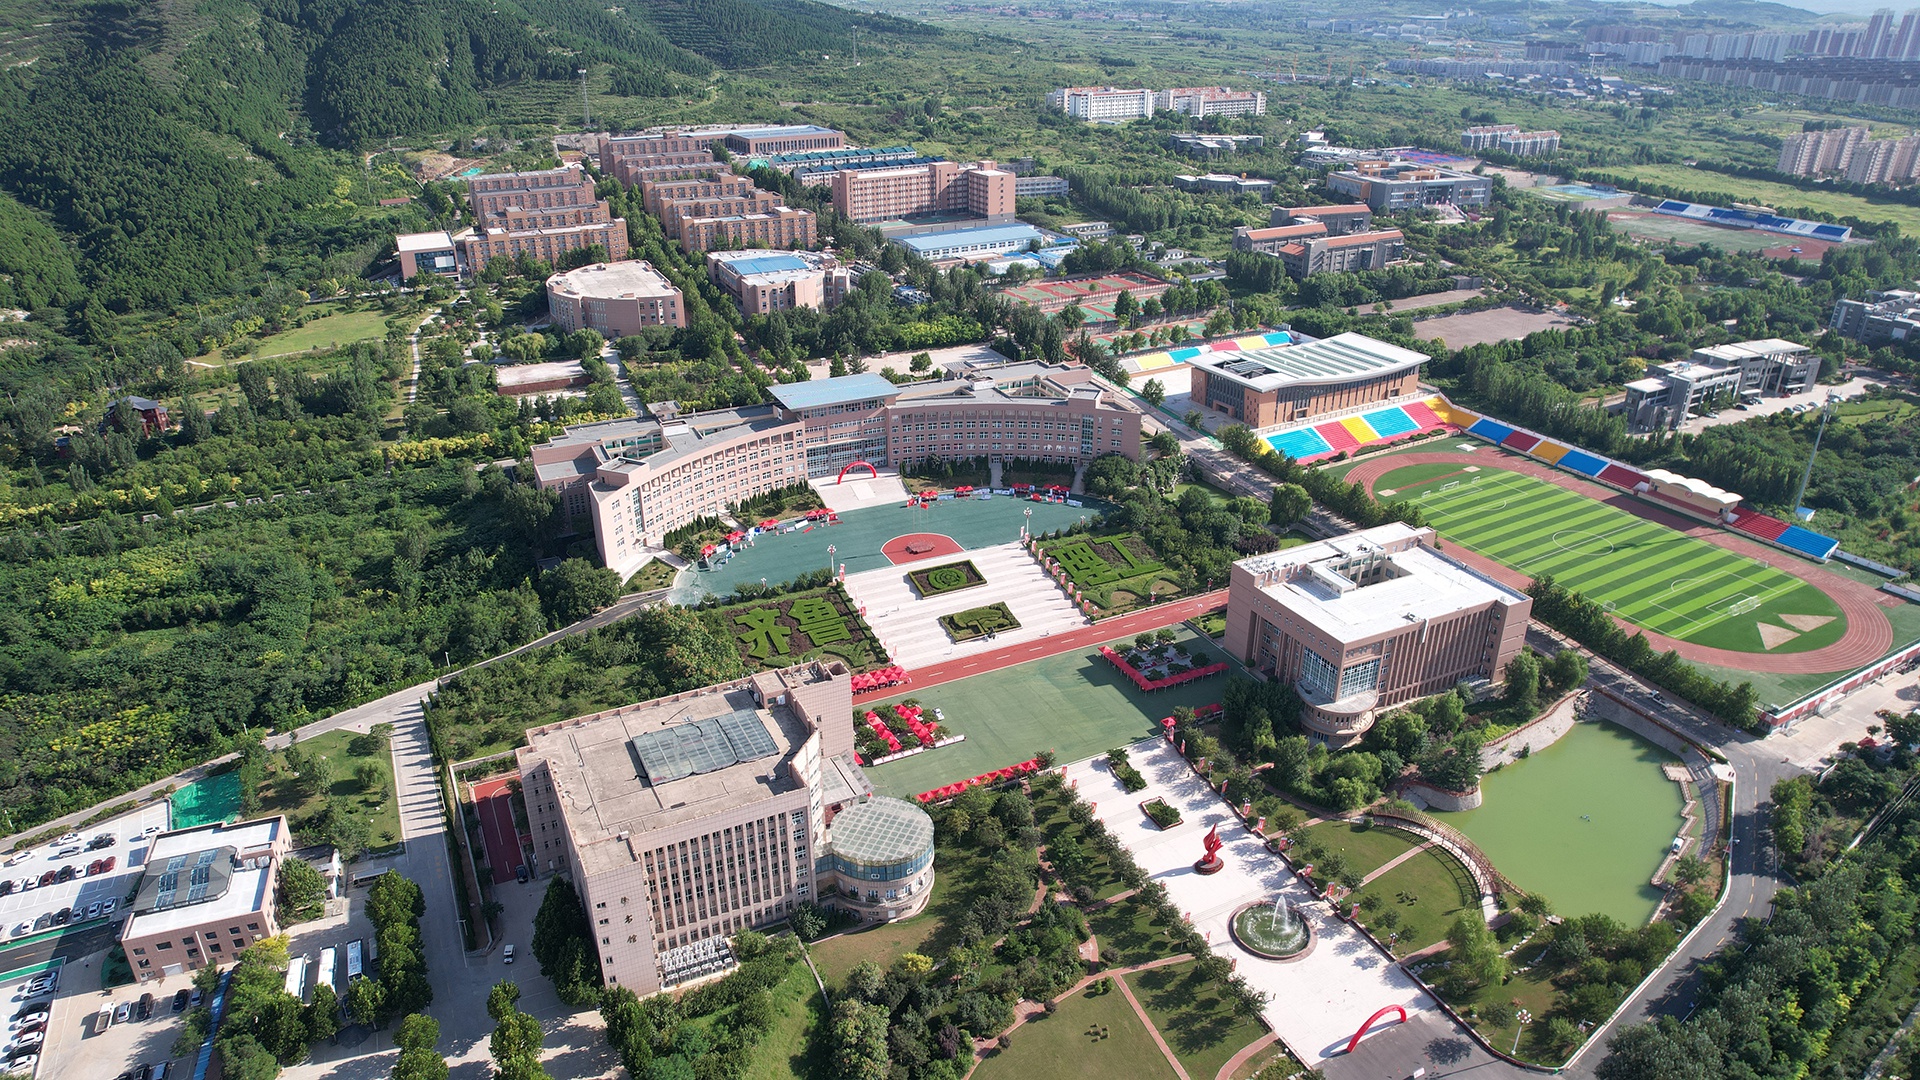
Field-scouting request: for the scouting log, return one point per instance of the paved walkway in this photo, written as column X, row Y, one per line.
column 1393, row 862
column 1868, row 635
column 1123, row 626
column 908, row 625
column 1246, row 1054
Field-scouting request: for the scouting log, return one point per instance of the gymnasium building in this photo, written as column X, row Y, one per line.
column 1366, row 621
column 1287, row 384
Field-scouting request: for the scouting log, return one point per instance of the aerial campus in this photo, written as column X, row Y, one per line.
column 963, row 541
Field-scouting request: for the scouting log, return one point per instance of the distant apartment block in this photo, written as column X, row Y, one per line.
column 1336, row 254
column 1200, row 101
column 745, row 140
column 1224, row 184
column 1893, row 315
column 940, row 187
column 1039, row 186
column 1339, row 220
column 762, row 280
column 1270, row 240
column 431, row 252
column 617, row 299
column 717, row 209
column 1486, row 136
column 817, row 166
column 1207, row 147
column 657, row 195
column 788, row 139
column 1894, row 162
column 542, row 214
column 1509, row 139
column 1392, row 186
column 1103, row 104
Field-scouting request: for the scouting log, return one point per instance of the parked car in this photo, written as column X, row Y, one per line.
column 180, row 1001
column 93, row 910
column 45, row 920
column 63, row 916
column 49, row 878
column 112, row 861
column 24, row 1063
column 107, row 906
column 507, row 954
column 67, row 852
column 193, row 997
column 145, row 1008
column 68, row 839
column 123, row 1012
column 66, row 873
column 520, row 873
column 20, row 857
column 32, row 1028
column 96, row 867
column 32, row 1038
column 7, row 885
column 159, row 1070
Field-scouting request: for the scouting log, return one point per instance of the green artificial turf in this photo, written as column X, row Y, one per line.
column 1655, row 577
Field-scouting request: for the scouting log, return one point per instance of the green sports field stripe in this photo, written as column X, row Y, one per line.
column 1711, row 606
column 1533, row 538
column 1652, row 572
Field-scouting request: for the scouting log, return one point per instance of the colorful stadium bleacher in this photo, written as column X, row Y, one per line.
column 1353, row 432
column 1155, row 361
column 1762, row 526
column 1390, row 422
column 1490, row 430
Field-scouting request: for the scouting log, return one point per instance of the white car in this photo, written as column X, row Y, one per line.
column 20, row 857
column 507, row 954
column 107, row 907
column 68, row 839
column 24, row 1063
column 31, row 1038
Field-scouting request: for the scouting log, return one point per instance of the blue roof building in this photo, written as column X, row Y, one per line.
column 968, row 243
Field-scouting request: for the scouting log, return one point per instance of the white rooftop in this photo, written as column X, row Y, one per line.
column 1317, row 583
column 627, row 279
column 249, row 892
column 423, row 241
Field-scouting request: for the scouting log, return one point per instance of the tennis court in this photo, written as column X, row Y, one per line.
column 1076, row 704
column 207, row 800
column 1652, row 576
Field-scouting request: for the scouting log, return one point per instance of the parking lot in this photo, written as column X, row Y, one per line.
column 26, row 914
column 76, row 1045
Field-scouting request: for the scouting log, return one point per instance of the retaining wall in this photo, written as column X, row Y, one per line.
column 1437, row 798
column 1539, row 735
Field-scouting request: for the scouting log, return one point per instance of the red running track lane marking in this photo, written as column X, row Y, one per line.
column 1106, row 630
column 1868, row 637
column 494, row 803
column 896, row 549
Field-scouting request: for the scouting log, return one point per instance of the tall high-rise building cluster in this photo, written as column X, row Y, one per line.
column 1851, row 152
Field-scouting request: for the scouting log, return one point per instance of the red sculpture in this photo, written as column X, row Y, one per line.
column 867, row 465
column 1212, row 863
column 1355, row 1041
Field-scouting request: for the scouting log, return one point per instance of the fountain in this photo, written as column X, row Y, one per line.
column 1272, row 931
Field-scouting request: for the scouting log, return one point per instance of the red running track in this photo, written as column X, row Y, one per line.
column 1122, row 626
column 1868, row 637
column 494, row 803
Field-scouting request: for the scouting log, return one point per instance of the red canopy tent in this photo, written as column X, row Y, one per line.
column 963, row 489
column 708, row 550
column 770, row 523
column 735, row 535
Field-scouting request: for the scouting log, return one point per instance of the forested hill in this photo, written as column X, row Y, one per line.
column 154, row 155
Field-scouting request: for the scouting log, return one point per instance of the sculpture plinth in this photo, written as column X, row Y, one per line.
column 1211, row 863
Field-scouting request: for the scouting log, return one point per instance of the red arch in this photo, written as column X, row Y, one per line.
column 1355, row 1041
column 841, row 479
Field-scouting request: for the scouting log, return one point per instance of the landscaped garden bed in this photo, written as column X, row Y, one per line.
column 786, row 630
column 1114, row 572
column 978, row 622
column 1124, row 771
column 1161, row 814
column 935, row 580
column 896, row 730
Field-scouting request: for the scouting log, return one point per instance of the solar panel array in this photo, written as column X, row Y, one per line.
column 703, row 746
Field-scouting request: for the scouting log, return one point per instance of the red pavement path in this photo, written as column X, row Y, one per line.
column 1105, row 630
column 1868, row 637
column 494, row 803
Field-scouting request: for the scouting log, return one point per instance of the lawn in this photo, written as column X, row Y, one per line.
column 654, row 575
column 1193, row 1016
column 1425, row 893
column 1491, row 1009
column 1130, row 932
column 1652, row 576
column 924, row 933
column 1367, row 847
column 789, row 1050
column 1075, row 704
column 376, row 805
column 1091, row 1035
column 326, row 332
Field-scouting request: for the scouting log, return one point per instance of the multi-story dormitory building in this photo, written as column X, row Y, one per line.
column 686, row 819
column 701, row 202
column 544, row 214
column 639, row 479
column 891, row 192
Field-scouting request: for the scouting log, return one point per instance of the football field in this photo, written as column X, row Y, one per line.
column 1652, row 576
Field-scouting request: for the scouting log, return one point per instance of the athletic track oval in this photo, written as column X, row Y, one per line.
column 1868, row 637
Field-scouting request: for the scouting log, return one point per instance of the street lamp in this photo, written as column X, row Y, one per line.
column 1524, row 1017
column 1026, row 527
column 829, row 560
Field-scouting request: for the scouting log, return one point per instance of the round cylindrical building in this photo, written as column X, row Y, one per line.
column 881, row 853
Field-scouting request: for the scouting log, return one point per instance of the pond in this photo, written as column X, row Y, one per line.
column 1584, row 822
